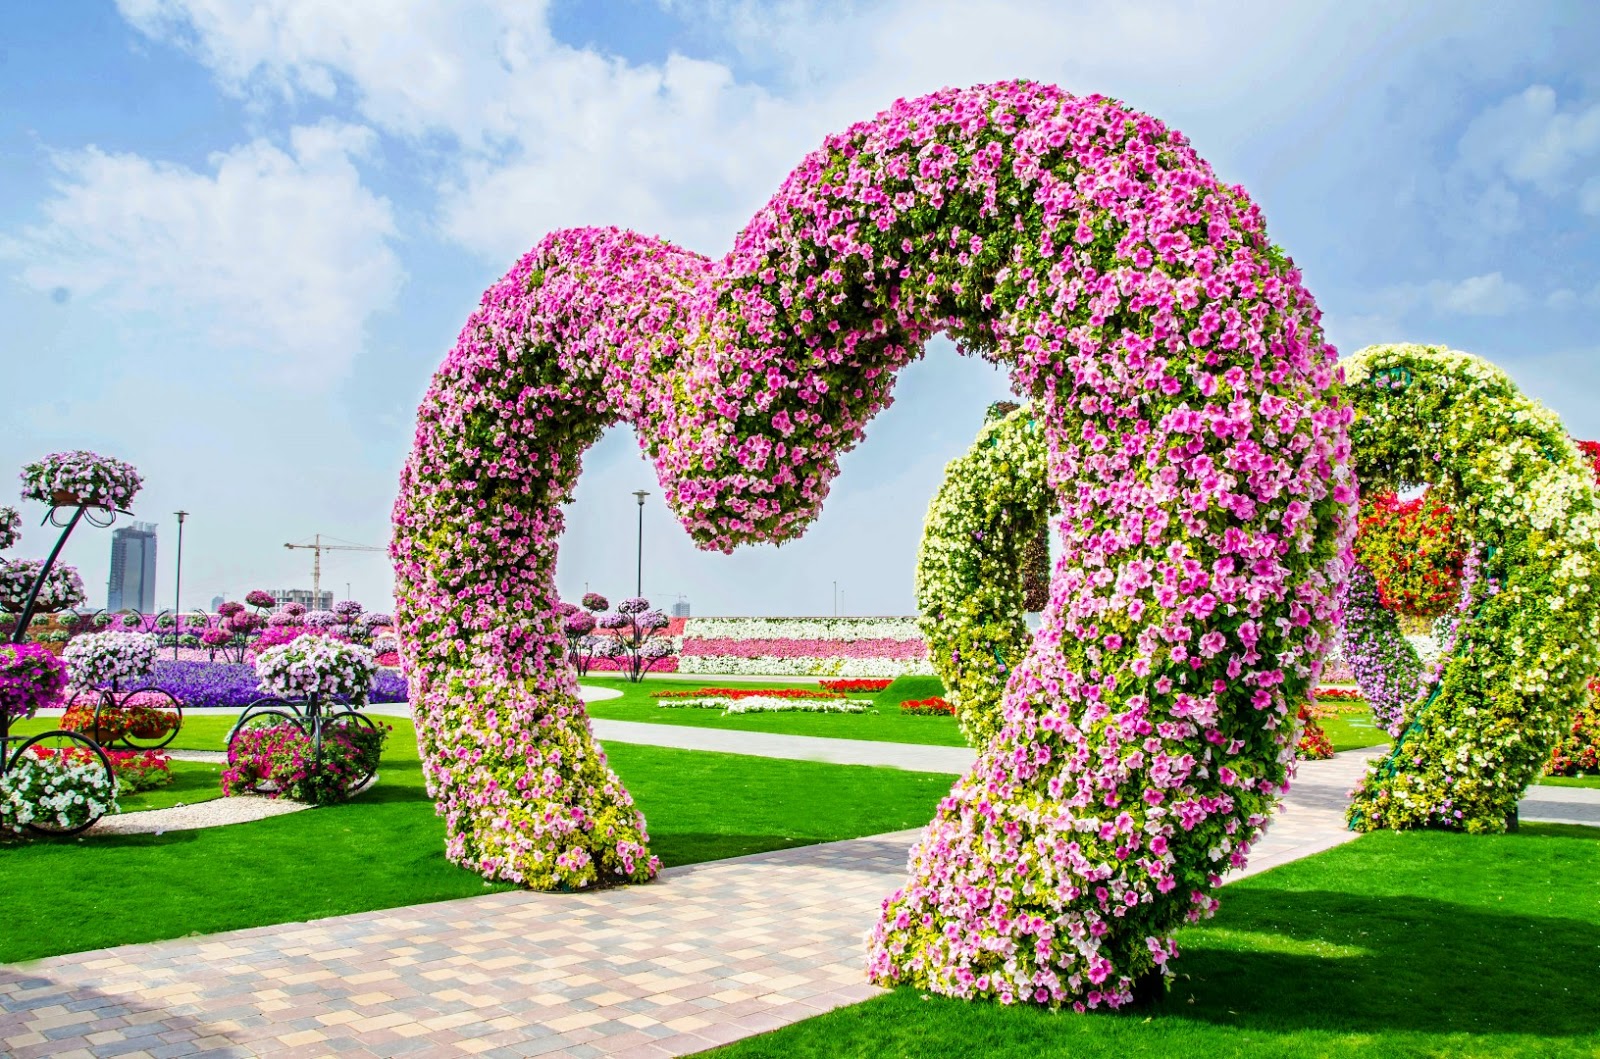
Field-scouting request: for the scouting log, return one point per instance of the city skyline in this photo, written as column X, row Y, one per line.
column 272, row 234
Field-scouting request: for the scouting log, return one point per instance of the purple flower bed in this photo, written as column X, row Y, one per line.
column 234, row 685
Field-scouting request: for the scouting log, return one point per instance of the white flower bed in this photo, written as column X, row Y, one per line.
column 315, row 666
column 804, row 667
column 895, row 628
column 770, row 704
column 59, row 793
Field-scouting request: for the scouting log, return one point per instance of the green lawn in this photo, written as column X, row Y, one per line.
column 1353, row 731
column 192, row 781
column 888, row 724
column 1570, row 781
column 1416, row 944
column 386, row 848
column 199, row 732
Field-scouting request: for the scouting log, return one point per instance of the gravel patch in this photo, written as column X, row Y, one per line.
column 214, row 757
column 217, row 812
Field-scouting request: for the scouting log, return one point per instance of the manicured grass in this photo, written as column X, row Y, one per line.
column 208, row 731
column 386, row 848
column 192, row 781
column 1570, row 781
column 1417, row 944
column 887, row 725
column 1353, row 731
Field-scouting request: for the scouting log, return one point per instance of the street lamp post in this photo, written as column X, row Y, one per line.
column 177, row 589
column 836, row 599
column 638, row 588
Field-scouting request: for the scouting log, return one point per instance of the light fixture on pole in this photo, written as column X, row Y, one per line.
column 177, row 589
column 638, row 588
column 836, row 599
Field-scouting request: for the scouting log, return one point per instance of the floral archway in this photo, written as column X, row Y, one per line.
column 994, row 502
column 1472, row 733
column 1198, row 457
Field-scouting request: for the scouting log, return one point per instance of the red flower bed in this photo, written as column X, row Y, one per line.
column 858, row 684
column 136, row 770
column 937, row 706
column 1314, row 742
column 139, row 714
column 745, row 693
column 1338, row 694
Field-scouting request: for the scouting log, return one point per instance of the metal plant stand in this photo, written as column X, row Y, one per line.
column 312, row 716
column 115, row 701
column 57, row 742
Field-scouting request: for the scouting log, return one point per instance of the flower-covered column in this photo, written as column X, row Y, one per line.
column 1200, row 464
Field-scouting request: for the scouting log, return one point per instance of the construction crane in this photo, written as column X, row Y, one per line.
column 317, row 548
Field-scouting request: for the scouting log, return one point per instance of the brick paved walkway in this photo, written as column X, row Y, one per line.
column 709, row 954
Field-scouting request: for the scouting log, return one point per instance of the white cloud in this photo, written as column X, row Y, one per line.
column 1532, row 140
column 1487, row 295
column 284, row 253
column 1561, row 298
column 553, row 135
column 1589, row 196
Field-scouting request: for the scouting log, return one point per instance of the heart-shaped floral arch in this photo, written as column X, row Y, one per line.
column 1175, row 364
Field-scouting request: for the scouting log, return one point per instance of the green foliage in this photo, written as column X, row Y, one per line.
column 993, row 504
column 1521, row 661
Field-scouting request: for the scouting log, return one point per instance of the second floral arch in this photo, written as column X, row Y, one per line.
column 1197, row 446
column 1470, row 733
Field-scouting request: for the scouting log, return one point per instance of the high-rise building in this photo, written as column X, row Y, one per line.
column 132, row 585
column 302, row 596
column 217, row 602
column 680, row 609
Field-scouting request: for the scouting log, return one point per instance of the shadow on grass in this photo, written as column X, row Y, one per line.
column 1336, row 961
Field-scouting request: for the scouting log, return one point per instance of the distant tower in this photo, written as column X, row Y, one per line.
column 132, row 585
column 216, row 602
column 680, row 609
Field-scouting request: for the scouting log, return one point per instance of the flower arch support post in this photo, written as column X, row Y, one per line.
column 1197, row 456
column 1530, row 638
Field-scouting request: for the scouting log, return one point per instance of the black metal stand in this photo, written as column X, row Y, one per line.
column 96, row 515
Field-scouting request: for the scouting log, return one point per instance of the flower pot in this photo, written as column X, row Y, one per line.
column 152, row 727
column 65, row 498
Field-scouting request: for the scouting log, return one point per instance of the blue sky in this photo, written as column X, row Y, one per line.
column 236, row 238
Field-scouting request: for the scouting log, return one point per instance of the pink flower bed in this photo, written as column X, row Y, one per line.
column 790, row 648
column 615, row 665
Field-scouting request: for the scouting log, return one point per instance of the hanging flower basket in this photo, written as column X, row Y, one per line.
column 10, row 526
column 70, row 479
column 62, row 588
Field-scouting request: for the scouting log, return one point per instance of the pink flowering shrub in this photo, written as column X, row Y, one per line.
column 787, row 648
column 1176, row 367
column 281, row 761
